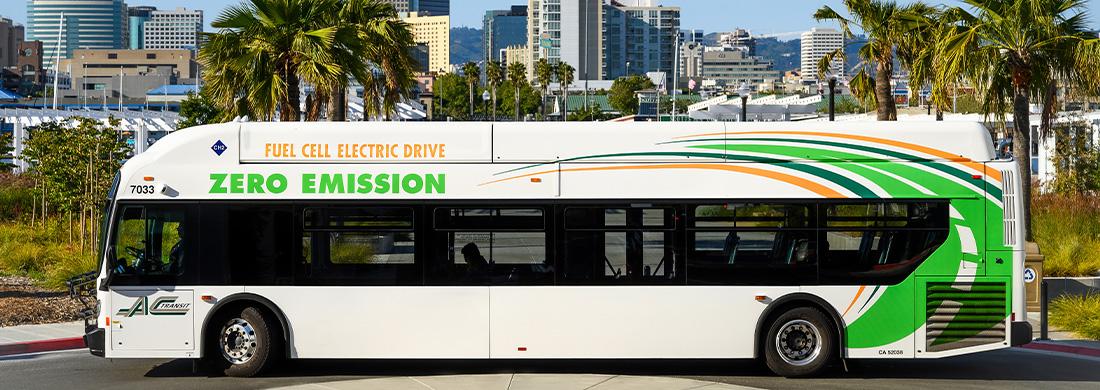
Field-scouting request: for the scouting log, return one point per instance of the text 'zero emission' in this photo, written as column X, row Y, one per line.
column 330, row 183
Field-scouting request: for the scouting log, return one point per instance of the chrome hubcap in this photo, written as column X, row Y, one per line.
column 238, row 341
column 798, row 342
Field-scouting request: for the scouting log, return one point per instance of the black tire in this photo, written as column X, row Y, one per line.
column 808, row 346
column 242, row 343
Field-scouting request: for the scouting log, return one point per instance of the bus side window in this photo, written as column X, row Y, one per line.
column 621, row 245
column 752, row 243
column 879, row 243
column 151, row 241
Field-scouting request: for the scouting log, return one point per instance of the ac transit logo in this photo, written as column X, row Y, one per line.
column 163, row 306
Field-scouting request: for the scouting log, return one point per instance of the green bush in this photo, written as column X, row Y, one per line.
column 42, row 252
column 1078, row 314
column 16, row 196
column 1067, row 229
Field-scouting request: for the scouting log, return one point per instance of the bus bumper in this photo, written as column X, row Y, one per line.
column 93, row 338
column 1021, row 333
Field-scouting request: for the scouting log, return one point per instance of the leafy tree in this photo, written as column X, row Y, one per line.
column 844, row 105
column 527, row 99
column 1011, row 50
column 544, row 74
column 1076, row 158
column 623, row 96
column 494, row 75
column 886, row 24
column 590, row 113
column 517, row 76
column 472, row 73
column 452, row 92
column 197, row 110
column 72, row 162
column 371, row 30
column 565, row 77
column 7, row 151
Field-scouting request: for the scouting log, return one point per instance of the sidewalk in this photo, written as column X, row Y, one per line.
column 1060, row 341
column 41, row 338
column 521, row 382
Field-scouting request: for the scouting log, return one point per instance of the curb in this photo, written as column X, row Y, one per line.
column 41, row 346
column 1086, row 351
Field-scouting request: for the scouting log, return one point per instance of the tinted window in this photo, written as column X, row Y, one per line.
column 247, row 245
column 879, row 243
column 481, row 246
column 359, row 246
column 752, row 243
column 154, row 245
column 621, row 245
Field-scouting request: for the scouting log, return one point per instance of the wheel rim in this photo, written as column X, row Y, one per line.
column 237, row 341
column 798, row 342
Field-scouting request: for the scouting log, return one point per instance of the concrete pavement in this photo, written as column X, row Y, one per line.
column 520, row 382
column 28, row 333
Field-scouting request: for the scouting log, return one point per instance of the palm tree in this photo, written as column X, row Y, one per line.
column 917, row 52
column 472, row 72
column 264, row 49
column 544, row 74
column 494, row 75
column 886, row 25
column 517, row 74
column 1013, row 49
column 371, row 30
column 565, row 77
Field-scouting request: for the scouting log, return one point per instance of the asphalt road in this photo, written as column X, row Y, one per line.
column 1016, row 369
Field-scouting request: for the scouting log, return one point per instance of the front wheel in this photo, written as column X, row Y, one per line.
column 241, row 343
column 800, row 342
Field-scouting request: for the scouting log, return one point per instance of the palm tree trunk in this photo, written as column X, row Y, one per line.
column 494, row 88
column 471, row 101
column 884, row 94
column 291, row 110
column 1021, row 150
column 564, row 105
column 516, row 106
column 338, row 104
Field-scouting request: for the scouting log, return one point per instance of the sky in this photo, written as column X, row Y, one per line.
column 784, row 18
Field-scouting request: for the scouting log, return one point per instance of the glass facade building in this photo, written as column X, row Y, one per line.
column 90, row 24
column 503, row 28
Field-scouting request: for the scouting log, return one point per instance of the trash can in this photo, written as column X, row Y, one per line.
column 1033, row 276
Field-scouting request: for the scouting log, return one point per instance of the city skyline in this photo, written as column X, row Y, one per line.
column 762, row 18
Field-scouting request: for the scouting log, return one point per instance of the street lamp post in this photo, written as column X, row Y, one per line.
column 832, row 98
column 744, row 93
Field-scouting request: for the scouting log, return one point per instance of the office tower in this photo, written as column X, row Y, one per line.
column 739, row 39
column 435, row 32
column 11, row 36
column 640, row 37
column 731, row 67
column 93, row 24
column 137, row 17
column 173, row 29
column 503, row 28
column 569, row 31
column 424, row 7
column 816, row 43
column 691, row 35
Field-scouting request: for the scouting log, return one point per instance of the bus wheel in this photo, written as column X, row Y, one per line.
column 243, row 343
column 800, row 342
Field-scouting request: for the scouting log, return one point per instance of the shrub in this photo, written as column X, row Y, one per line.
column 42, row 252
column 1079, row 314
column 1067, row 229
column 16, row 196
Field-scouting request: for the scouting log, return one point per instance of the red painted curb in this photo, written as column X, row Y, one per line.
column 41, row 346
column 1063, row 348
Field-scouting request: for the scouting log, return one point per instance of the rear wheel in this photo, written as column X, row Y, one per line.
column 800, row 342
column 241, row 342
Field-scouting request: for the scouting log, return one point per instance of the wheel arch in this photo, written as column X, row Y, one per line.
column 242, row 299
column 790, row 301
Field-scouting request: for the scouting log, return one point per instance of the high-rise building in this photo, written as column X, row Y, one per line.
column 569, row 31
column 11, row 35
column 137, row 17
column 173, row 29
column 817, row 43
column 503, row 28
column 435, row 32
column 739, row 39
column 93, row 24
column 691, row 35
column 691, row 59
column 640, row 36
column 425, row 7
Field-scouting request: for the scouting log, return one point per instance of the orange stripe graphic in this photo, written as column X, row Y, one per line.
column 858, row 293
column 978, row 167
column 789, row 179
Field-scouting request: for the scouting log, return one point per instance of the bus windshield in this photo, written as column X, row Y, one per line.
column 105, row 223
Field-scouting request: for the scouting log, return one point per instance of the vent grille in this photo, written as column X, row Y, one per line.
column 964, row 315
column 1008, row 199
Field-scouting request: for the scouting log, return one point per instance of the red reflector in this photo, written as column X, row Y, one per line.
column 108, row 321
column 976, row 177
column 761, row 298
column 1013, row 317
column 208, row 298
column 522, row 349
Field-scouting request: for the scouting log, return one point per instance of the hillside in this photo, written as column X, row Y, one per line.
column 466, row 45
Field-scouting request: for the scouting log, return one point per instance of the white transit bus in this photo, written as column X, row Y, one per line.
column 795, row 243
